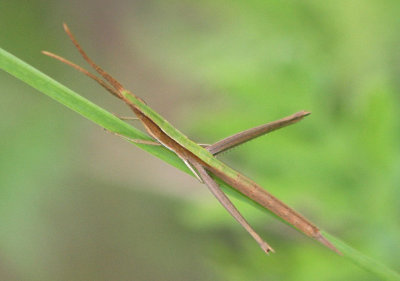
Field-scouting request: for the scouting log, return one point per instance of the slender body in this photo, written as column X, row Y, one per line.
column 202, row 161
column 235, row 179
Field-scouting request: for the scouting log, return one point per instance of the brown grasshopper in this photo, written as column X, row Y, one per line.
column 201, row 160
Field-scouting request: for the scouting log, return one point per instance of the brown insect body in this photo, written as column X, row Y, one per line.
column 241, row 183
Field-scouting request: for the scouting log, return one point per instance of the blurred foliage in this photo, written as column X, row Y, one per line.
column 212, row 68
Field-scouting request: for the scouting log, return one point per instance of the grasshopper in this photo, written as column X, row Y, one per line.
column 200, row 159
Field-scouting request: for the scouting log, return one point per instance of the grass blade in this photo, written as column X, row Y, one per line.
column 84, row 107
column 72, row 100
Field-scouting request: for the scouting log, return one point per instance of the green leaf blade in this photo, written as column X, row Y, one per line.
column 72, row 100
column 79, row 104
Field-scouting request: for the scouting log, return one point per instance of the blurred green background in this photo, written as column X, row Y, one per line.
column 77, row 203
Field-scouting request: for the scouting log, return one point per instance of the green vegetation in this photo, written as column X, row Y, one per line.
column 62, row 94
column 72, row 201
